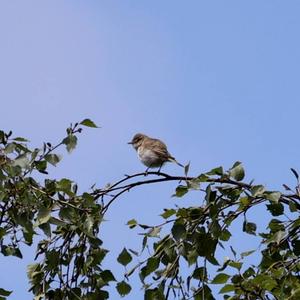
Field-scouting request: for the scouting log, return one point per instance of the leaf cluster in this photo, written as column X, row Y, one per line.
column 181, row 261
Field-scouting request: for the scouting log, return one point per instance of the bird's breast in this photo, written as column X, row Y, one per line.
column 149, row 158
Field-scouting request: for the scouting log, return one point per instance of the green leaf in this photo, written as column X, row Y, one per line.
column 97, row 295
column 2, row 232
column 32, row 269
column 237, row 171
column 57, row 222
column 151, row 266
column 200, row 274
column 202, row 178
column 107, row 276
column 220, row 278
column 249, row 228
column 186, row 169
column 216, row 171
column 98, row 255
column 11, row 251
column 195, row 212
column 273, row 196
column 193, row 184
column 153, row 263
column 21, row 161
column 235, row 264
column 265, row 281
column 181, row 190
column 52, row 259
column 225, row 235
column 276, row 209
column 210, row 194
column 20, row 148
column 9, row 148
column 46, row 229
column 20, row 139
column 53, row 159
column 154, row 232
column 168, row 213
column 154, row 294
column 178, row 231
column 123, row 288
column 278, row 236
column 43, row 215
column 213, row 260
column 247, row 253
column 124, row 257
column 269, row 284
column 226, row 289
column 144, row 243
column 70, row 141
column 192, row 257
column 68, row 214
column 249, row 272
column 132, row 223
column 41, row 166
column 144, row 226
column 276, row 225
column 88, row 225
column 4, row 292
column 65, row 185
column 88, row 123
column 237, row 279
column 293, row 207
column 257, row 190
column 245, row 201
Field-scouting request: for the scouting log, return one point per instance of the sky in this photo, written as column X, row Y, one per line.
column 218, row 81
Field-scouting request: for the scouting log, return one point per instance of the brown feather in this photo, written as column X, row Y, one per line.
column 158, row 147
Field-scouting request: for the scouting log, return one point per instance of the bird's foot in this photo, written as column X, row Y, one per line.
column 146, row 172
column 158, row 171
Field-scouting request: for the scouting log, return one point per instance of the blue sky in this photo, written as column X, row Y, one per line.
column 218, row 81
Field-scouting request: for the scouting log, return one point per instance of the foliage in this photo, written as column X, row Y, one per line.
column 181, row 262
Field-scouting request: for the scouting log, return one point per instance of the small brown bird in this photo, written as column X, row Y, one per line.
column 153, row 153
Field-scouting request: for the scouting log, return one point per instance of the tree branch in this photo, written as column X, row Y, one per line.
column 285, row 198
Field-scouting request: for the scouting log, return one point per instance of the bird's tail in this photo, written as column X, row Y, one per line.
column 172, row 159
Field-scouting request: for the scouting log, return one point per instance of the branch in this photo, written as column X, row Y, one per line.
column 285, row 198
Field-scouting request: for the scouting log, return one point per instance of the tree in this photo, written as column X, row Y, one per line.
column 181, row 262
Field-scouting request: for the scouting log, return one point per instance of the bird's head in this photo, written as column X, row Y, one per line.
column 137, row 140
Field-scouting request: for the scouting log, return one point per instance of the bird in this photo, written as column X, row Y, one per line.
column 153, row 153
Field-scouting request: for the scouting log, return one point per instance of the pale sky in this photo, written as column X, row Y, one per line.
column 218, row 81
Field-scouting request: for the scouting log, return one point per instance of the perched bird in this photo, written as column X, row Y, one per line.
column 153, row 153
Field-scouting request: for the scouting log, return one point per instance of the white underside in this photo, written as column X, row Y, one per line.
column 149, row 158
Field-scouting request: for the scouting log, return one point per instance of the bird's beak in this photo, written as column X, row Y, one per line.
column 130, row 143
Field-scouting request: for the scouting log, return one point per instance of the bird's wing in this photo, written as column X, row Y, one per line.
column 160, row 148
